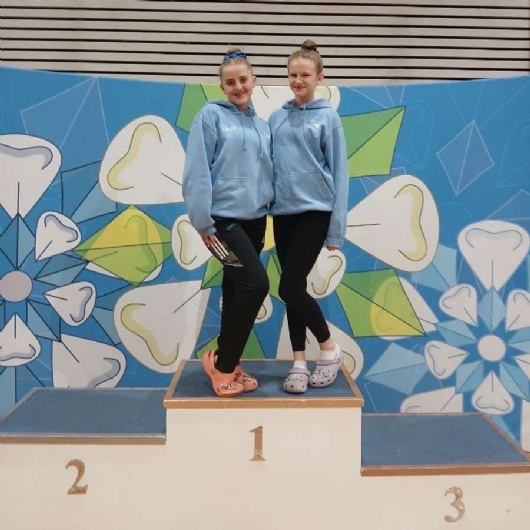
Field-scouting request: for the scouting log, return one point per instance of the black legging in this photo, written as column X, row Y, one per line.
column 299, row 240
column 244, row 288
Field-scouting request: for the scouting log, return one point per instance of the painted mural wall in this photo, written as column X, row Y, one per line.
column 104, row 283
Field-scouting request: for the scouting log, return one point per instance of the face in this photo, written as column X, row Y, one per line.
column 238, row 83
column 303, row 79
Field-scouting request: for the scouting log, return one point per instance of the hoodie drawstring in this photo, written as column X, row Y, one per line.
column 277, row 128
column 303, row 125
column 251, row 116
column 260, row 153
column 243, row 127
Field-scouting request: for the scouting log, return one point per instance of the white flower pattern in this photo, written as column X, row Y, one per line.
column 38, row 286
column 485, row 351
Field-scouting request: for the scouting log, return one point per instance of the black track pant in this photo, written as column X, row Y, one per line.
column 244, row 288
column 299, row 240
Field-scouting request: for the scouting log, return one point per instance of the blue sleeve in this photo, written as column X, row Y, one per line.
column 197, row 180
column 336, row 156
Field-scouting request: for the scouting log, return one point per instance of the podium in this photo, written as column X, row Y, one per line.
column 182, row 458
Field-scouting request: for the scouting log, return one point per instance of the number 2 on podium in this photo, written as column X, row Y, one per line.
column 75, row 489
column 258, row 444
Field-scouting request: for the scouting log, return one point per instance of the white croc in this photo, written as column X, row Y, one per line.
column 326, row 371
column 296, row 382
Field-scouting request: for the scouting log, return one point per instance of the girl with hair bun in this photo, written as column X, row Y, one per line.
column 227, row 188
column 309, row 209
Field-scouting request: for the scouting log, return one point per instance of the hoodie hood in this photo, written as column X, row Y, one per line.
column 230, row 106
column 320, row 103
column 289, row 107
column 250, row 112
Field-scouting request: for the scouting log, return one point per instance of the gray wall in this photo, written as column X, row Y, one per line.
column 362, row 42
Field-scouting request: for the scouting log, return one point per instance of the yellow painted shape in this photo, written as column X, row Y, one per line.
column 185, row 248
column 130, row 323
column 142, row 131
column 416, row 196
column 324, row 286
column 386, row 323
column 324, row 91
column 349, row 362
column 269, row 235
column 131, row 227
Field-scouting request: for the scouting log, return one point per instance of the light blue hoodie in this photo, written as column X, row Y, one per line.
column 310, row 163
column 228, row 168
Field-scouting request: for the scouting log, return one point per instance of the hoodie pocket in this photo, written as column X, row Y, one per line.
column 307, row 187
column 266, row 191
column 241, row 197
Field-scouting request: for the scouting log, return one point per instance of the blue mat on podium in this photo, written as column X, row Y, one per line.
column 430, row 443
column 72, row 413
column 194, row 383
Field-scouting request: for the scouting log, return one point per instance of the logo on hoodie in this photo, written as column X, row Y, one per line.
column 316, row 124
column 228, row 129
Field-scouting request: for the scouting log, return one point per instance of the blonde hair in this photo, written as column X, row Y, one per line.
column 234, row 56
column 308, row 50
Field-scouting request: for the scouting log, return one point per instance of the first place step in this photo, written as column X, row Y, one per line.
column 191, row 388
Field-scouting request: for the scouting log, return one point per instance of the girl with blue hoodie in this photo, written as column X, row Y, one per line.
column 227, row 188
column 309, row 209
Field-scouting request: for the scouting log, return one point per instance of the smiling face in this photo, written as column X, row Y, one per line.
column 303, row 79
column 237, row 82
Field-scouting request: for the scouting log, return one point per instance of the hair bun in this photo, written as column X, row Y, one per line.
column 309, row 45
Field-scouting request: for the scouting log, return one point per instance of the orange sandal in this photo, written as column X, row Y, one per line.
column 248, row 381
column 224, row 385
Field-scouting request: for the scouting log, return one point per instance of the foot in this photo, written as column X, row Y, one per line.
column 224, row 385
column 296, row 382
column 249, row 382
column 327, row 369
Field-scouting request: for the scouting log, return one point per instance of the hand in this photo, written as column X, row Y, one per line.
column 208, row 240
column 331, row 249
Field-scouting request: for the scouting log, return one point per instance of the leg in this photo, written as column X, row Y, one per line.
column 246, row 286
column 299, row 239
column 284, row 235
column 306, row 239
column 255, row 230
column 249, row 382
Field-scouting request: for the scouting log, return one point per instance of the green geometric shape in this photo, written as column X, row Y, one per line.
column 213, row 276
column 376, row 305
column 214, row 92
column 131, row 246
column 253, row 349
column 212, row 345
column 371, row 140
column 193, row 99
column 357, row 309
column 274, row 273
column 132, row 264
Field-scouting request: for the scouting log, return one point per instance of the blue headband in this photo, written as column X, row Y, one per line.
column 234, row 55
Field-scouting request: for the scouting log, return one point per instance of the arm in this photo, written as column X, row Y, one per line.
column 196, row 180
column 336, row 157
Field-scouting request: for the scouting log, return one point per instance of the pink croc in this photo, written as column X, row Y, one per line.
column 224, row 385
column 248, row 381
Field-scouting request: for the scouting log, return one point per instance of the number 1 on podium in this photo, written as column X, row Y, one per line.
column 258, row 444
